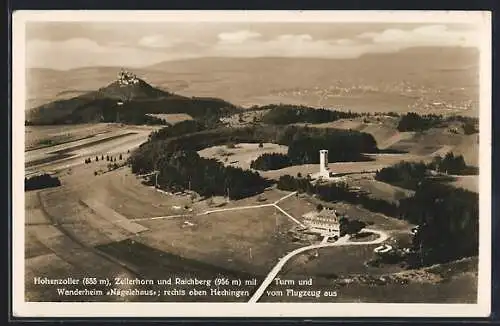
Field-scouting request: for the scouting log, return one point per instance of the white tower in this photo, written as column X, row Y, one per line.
column 323, row 163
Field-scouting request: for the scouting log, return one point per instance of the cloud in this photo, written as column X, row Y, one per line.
column 238, row 37
column 344, row 41
column 430, row 35
column 295, row 38
column 82, row 52
column 157, row 41
column 293, row 45
column 251, row 44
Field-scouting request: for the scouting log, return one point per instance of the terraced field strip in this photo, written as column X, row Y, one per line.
column 113, row 216
column 72, row 252
column 104, row 226
column 400, row 136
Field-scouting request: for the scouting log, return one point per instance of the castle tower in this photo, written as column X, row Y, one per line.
column 323, row 163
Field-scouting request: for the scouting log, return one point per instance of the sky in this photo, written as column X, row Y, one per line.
column 69, row 45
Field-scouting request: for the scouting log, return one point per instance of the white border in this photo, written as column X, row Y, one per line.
column 24, row 309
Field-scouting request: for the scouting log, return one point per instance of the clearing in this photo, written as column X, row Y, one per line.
column 242, row 154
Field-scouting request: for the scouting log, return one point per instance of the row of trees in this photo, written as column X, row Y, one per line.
column 410, row 174
column 403, row 174
column 108, row 159
column 183, row 170
column 282, row 114
column 415, row 122
column 342, row 146
column 178, row 129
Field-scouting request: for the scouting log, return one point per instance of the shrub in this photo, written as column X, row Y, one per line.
column 40, row 182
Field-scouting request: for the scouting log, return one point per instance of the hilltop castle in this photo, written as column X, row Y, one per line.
column 127, row 78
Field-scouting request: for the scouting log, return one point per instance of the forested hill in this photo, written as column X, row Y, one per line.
column 126, row 102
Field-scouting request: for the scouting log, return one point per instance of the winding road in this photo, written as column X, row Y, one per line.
column 343, row 241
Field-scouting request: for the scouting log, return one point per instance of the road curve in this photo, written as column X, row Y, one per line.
column 343, row 241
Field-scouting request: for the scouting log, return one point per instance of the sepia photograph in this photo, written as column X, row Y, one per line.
column 287, row 158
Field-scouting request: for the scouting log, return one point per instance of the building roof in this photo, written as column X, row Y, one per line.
column 327, row 216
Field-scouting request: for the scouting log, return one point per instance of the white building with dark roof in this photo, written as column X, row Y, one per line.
column 325, row 222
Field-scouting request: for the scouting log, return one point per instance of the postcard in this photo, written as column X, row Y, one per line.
column 251, row 163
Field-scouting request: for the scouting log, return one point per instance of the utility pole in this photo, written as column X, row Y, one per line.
column 155, row 166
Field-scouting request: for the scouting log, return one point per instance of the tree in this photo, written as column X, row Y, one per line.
column 354, row 227
column 350, row 227
column 270, row 161
column 96, row 158
column 120, row 158
column 261, row 145
column 287, row 114
column 102, row 157
column 448, row 220
column 40, row 182
column 470, row 128
column 319, row 207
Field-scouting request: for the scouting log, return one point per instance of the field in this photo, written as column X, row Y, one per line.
column 346, row 168
column 242, row 154
column 217, row 239
column 113, row 140
column 378, row 189
column 44, row 136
